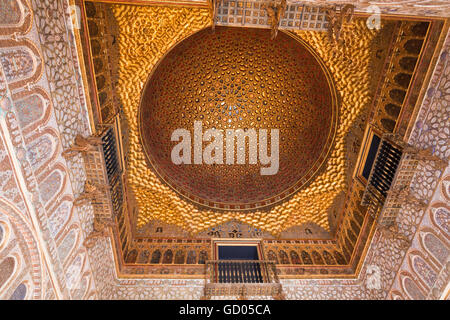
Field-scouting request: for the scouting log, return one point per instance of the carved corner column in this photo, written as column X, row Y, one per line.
column 212, row 6
column 275, row 11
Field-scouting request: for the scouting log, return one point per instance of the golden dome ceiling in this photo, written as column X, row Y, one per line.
column 240, row 79
column 147, row 33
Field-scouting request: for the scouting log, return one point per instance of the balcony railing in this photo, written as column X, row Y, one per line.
column 252, row 13
column 382, row 174
column 389, row 183
column 103, row 168
column 241, row 278
column 113, row 169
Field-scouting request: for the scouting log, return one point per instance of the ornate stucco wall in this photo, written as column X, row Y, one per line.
column 42, row 108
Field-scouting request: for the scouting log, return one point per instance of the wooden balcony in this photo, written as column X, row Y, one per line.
column 389, row 183
column 241, row 278
column 252, row 14
column 104, row 168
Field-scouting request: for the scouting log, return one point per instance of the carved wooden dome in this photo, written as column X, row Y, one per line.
column 239, row 79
